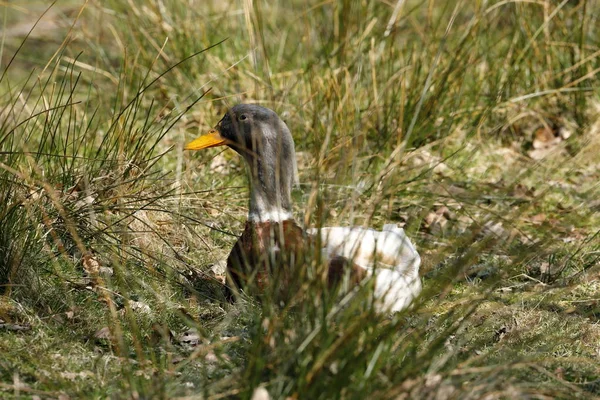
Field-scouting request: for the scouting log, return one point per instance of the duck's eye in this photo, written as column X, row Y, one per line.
column 242, row 117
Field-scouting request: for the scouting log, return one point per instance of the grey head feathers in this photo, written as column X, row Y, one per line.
column 265, row 142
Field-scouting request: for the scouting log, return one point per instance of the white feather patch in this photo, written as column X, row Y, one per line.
column 274, row 215
column 387, row 255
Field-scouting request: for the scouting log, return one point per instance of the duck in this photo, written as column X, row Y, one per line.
column 273, row 247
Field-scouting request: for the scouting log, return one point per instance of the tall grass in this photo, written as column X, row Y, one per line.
column 420, row 113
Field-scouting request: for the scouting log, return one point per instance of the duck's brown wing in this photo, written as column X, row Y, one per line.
column 271, row 251
column 265, row 251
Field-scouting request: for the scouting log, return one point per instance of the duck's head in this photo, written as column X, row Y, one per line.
column 265, row 142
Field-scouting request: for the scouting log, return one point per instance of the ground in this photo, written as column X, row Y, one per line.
column 473, row 125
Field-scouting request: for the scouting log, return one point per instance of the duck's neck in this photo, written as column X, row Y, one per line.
column 270, row 191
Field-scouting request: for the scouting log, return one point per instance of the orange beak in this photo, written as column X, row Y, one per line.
column 211, row 139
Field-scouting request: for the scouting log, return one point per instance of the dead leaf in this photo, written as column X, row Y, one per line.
column 560, row 373
column 424, row 158
column 549, row 272
column 435, row 223
column 103, row 333
column 545, row 137
column 91, row 265
column 538, row 219
column 491, row 228
column 545, row 141
column 575, row 235
column 446, row 212
column 522, row 192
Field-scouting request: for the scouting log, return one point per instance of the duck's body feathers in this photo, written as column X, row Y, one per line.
column 271, row 251
column 388, row 256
